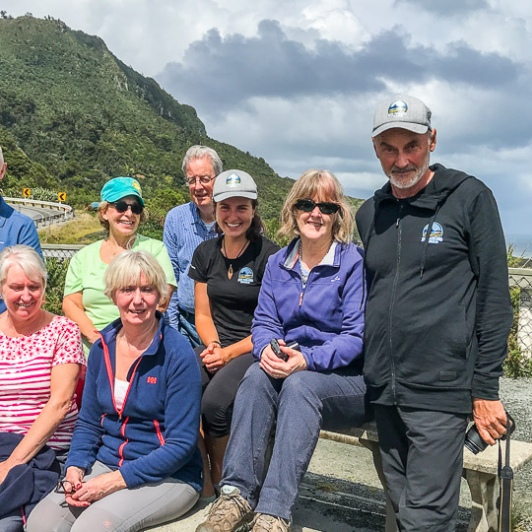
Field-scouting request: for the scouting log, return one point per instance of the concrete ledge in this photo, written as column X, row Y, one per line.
column 485, row 462
column 480, row 472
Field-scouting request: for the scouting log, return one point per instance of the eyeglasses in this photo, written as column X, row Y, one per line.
column 65, row 486
column 325, row 207
column 122, row 206
column 203, row 179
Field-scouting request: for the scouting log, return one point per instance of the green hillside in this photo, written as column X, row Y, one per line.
column 72, row 115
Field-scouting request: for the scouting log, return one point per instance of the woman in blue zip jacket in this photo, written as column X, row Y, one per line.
column 313, row 294
column 133, row 461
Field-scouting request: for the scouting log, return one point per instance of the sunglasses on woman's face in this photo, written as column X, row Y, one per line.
column 325, row 207
column 122, row 206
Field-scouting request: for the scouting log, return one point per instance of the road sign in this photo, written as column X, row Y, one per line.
column 61, row 196
column 26, row 192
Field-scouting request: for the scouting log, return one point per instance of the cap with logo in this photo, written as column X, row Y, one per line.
column 234, row 183
column 405, row 112
column 120, row 187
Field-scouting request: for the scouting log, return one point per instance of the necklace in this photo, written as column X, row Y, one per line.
column 230, row 269
column 143, row 342
column 115, row 248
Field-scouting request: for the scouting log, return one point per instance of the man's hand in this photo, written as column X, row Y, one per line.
column 490, row 419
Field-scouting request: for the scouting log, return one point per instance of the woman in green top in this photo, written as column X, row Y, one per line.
column 120, row 212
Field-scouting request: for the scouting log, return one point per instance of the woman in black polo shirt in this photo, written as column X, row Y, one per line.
column 228, row 273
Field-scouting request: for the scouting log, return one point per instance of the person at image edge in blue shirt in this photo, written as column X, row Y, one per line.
column 15, row 227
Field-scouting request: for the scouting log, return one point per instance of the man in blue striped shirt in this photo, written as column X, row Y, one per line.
column 185, row 227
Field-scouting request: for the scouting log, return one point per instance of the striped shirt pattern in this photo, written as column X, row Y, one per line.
column 25, row 371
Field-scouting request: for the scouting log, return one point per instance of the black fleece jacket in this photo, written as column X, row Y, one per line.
column 438, row 311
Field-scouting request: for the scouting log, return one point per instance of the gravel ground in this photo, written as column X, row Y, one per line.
column 516, row 395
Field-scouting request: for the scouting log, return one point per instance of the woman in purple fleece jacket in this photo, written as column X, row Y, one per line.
column 133, row 461
column 313, row 293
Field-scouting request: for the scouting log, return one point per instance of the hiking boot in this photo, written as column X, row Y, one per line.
column 229, row 513
column 270, row 523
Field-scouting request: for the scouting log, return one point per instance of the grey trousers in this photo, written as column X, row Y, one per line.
column 422, row 458
column 127, row 510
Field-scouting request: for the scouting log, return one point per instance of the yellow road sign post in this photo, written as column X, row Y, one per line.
column 26, row 192
column 61, row 196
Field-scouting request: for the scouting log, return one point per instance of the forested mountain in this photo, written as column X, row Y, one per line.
column 72, row 115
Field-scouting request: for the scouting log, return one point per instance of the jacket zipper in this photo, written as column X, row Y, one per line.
column 158, row 432
column 124, row 443
column 392, row 300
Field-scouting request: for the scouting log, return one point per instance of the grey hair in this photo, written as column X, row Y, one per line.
column 126, row 269
column 27, row 258
column 202, row 152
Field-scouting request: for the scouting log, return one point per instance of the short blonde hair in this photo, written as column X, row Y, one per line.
column 323, row 185
column 102, row 207
column 126, row 269
column 27, row 258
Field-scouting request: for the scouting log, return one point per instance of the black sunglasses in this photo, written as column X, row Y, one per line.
column 325, row 207
column 122, row 206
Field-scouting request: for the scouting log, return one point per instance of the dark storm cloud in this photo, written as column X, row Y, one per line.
column 447, row 7
column 221, row 72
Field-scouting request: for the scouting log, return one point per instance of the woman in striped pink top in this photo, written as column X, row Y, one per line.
column 41, row 359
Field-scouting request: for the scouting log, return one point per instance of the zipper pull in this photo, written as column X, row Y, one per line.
column 399, row 215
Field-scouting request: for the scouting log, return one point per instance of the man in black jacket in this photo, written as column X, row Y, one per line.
column 437, row 319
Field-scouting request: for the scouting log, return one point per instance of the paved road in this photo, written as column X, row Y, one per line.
column 41, row 216
column 35, row 213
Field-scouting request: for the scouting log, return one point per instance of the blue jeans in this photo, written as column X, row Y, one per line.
column 298, row 406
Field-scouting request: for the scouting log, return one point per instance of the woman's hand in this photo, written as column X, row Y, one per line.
column 94, row 489
column 5, row 468
column 276, row 367
column 214, row 357
column 73, row 481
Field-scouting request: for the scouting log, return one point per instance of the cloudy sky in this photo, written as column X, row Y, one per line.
column 296, row 82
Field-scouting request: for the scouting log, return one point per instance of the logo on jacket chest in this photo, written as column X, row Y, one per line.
column 436, row 233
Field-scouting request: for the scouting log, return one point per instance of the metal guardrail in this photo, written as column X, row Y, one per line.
column 40, row 203
column 60, row 251
column 64, row 212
